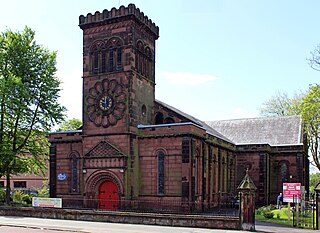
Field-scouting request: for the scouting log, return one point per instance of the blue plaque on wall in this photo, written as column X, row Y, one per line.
column 62, row 176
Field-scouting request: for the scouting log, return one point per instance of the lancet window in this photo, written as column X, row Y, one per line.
column 144, row 60
column 74, row 157
column 161, row 169
column 106, row 56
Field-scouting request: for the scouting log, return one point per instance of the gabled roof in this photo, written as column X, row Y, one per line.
column 265, row 130
column 194, row 120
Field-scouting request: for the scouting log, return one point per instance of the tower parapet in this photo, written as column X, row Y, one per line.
column 107, row 17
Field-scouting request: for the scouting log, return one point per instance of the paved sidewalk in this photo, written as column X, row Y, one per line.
column 98, row 227
column 34, row 225
column 12, row 229
column 276, row 228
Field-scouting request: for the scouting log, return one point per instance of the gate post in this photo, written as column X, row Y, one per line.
column 317, row 190
column 247, row 191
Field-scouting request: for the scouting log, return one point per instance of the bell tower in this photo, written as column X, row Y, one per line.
column 118, row 94
column 118, row 70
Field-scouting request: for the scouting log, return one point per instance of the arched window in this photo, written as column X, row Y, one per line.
column 148, row 62
column 106, row 57
column 139, row 58
column 284, row 172
column 161, row 159
column 74, row 172
column 185, row 150
column 115, row 54
column 96, row 61
column 96, row 57
column 143, row 110
column 144, row 60
column 159, row 118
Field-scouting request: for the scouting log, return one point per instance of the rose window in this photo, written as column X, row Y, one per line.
column 106, row 103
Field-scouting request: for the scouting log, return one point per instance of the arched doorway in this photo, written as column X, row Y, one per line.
column 108, row 197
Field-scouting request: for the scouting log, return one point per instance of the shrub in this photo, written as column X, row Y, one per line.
column 268, row 215
column 43, row 191
column 264, row 209
column 26, row 198
column 21, row 197
column 259, row 212
column 2, row 195
column 17, row 196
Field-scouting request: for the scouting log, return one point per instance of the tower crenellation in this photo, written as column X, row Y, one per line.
column 109, row 16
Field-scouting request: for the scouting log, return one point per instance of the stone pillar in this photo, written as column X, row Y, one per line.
column 247, row 191
column 317, row 195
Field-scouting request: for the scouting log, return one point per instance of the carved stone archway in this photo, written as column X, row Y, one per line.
column 93, row 183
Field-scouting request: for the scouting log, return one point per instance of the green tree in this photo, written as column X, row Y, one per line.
column 281, row 105
column 310, row 112
column 308, row 106
column 72, row 124
column 28, row 103
column 314, row 180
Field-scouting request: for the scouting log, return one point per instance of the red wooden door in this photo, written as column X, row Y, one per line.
column 108, row 196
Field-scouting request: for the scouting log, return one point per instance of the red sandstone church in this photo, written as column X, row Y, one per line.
column 134, row 147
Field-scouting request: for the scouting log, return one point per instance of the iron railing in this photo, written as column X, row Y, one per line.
column 220, row 205
column 304, row 212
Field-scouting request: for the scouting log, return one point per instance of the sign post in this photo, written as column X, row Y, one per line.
column 291, row 194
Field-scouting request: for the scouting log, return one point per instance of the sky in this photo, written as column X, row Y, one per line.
column 215, row 59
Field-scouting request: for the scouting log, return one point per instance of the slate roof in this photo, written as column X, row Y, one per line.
column 265, row 130
column 194, row 120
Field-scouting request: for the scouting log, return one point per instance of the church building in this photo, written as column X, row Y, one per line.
column 134, row 147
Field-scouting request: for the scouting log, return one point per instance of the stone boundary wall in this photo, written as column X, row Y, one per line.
column 215, row 222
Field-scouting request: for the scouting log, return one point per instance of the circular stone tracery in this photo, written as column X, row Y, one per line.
column 106, row 103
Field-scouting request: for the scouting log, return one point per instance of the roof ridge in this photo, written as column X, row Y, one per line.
column 257, row 118
column 196, row 121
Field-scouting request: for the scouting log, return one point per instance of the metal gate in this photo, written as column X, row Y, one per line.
column 304, row 213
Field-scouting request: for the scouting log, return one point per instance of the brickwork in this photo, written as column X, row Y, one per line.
column 32, row 181
column 264, row 163
column 144, row 149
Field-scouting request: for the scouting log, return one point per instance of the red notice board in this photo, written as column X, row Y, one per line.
column 291, row 192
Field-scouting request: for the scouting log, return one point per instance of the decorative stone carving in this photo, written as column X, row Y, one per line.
column 106, row 103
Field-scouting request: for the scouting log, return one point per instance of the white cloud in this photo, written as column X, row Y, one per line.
column 187, row 78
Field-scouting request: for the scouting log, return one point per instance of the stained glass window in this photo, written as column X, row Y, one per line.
column 284, row 172
column 160, row 172
column 74, row 172
column 185, row 150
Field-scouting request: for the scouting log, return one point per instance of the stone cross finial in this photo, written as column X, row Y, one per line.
column 247, row 183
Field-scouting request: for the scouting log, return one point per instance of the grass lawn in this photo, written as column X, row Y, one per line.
column 280, row 216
